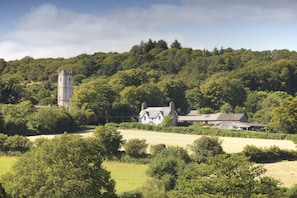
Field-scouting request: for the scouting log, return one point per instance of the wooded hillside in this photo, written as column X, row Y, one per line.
column 112, row 86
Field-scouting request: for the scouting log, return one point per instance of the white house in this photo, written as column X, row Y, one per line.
column 155, row 115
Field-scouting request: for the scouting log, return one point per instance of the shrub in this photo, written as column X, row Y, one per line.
column 110, row 138
column 206, row 147
column 154, row 189
column 268, row 155
column 16, row 144
column 157, row 148
column 136, row 148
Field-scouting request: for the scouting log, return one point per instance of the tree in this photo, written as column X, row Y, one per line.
column 166, row 165
column 265, row 107
column 95, row 96
column 10, row 89
column 16, row 116
column 174, row 90
column 176, row 45
column 136, row 147
column 226, row 176
column 284, row 117
column 220, row 90
column 110, row 138
column 17, row 143
column 205, row 147
column 66, row 166
column 52, row 120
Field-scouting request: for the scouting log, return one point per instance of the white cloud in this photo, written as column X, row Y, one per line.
column 48, row 31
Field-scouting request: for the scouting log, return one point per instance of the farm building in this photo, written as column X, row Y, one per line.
column 223, row 121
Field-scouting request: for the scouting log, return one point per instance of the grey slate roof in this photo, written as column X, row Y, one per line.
column 153, row 112
column 213, row 117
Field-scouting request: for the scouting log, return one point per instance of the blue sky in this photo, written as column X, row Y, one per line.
column 66, row 28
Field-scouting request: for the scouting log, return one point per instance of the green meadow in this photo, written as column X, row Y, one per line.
column 128, row 176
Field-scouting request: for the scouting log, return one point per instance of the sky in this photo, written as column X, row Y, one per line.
column 67, row 28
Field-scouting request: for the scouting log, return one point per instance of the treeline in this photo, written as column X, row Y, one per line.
column 111, row 86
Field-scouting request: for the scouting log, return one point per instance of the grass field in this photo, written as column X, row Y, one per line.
column 128, row 176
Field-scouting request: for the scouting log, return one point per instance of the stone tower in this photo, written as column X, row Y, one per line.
column 65, row 87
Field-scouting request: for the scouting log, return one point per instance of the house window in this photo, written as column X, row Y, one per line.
column 144, row 118
column 159, row 117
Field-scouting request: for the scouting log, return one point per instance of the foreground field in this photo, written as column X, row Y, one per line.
column 284, row 171
column 128, row 176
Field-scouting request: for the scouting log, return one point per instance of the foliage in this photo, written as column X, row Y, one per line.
column 111, row 86
column 284, row 117
column 66, row 166
column 167, row 121
column 136, row 148
column 205, row 147
column 16, row 117
column 225, row 176
column 268, row 155
column 165, row 165
column 292, row 192
column 3, row 194
column 153, row 189
column 14, row 145
column 52, row 120
column 157, row 148
column 111, row 140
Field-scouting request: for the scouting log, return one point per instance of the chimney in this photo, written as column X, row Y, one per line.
column 172, row 106
column 143, row 106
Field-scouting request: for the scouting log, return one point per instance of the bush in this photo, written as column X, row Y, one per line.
column 111, row 140
column 206, row 147
column 136, row 148
column 14, row 145
column 131, row 195
column 268, row 155
column 292, row 192
column 157, row 148
column 154, row 189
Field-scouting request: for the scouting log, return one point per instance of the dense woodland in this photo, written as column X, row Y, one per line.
column 110, row 87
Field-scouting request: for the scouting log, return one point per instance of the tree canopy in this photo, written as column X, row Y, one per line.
column 66, row 166
column 111, row 86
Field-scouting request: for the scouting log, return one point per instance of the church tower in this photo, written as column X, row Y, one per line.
column 65, row 87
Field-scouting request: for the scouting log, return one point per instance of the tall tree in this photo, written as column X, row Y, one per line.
column 284, row 117
column 176, row 45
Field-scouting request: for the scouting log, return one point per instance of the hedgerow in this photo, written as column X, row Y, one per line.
column 197, row 129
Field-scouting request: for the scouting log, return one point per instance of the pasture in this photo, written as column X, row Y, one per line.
column 130, row 176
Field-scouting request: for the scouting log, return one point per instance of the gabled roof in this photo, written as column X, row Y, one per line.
column 231, row 117
column 212, row 117
column 153, row 112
